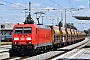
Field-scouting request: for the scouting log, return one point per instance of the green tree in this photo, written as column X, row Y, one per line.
column 60, row 24
column 69, row 25
column 89, row 31
column 29, row 20
column 86, row 31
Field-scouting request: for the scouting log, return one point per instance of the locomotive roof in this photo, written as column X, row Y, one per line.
column 37, row 26
column 43, row 26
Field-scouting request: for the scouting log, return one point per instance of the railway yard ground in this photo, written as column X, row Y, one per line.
column 78, row 51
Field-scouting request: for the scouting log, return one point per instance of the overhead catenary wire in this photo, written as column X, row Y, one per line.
column 41, row 2
column 70, row 7
column 44, row 5
column 57, row 4
column 70, row 4
column 6, row 9
column 44, row 9
column 13, row 4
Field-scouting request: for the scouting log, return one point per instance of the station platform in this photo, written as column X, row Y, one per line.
column 5, row 48
column 4, row 51
column 76, row 54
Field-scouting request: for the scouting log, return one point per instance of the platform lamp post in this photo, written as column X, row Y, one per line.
column 53, row 21
column 66, row 27
column 0, row 26
column 0, row 36
column 65, row 18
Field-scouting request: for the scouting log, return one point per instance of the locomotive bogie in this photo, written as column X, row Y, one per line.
column 21, row 50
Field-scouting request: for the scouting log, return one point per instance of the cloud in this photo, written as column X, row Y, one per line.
column 78, row 0
column 18, row 5
column 37, row 5
column 81, row 7
column 48, row 8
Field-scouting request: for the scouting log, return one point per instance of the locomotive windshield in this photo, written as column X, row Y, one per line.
column 18, row 30
column 27, row 30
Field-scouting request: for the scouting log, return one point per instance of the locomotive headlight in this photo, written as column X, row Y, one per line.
column 15, row 42
column 28, row 38
column 16, row 38
column 29, row 42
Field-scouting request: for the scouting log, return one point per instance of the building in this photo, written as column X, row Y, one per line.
column 6, row 31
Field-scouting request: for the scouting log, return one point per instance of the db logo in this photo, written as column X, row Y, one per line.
column 22, row 38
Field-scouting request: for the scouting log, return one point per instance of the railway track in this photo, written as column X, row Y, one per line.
column 47, row 55
column 16, row 58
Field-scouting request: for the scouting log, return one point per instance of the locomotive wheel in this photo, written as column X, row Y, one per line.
column 33, row 52
column 51, row 48
column 10, row 53
column 46, row 49
column 55, row 48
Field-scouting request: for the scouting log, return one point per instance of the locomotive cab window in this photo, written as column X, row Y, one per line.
column 28, row 30
column 18, row 30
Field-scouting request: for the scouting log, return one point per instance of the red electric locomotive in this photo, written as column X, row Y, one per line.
column 28, row 39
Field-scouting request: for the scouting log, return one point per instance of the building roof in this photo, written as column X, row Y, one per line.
column 6, row 26
column 82, row 17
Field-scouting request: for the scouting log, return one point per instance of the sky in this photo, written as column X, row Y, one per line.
column 14, row 11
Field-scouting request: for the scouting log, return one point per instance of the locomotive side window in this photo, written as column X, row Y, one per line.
column 28, row 30
column 18, row 30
